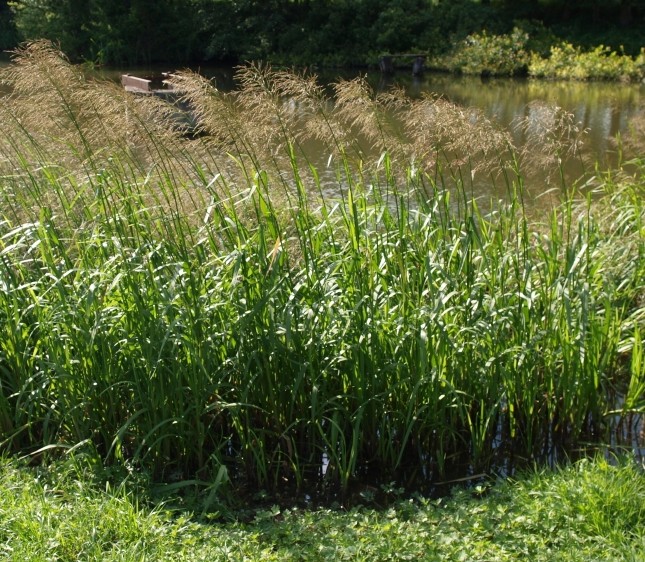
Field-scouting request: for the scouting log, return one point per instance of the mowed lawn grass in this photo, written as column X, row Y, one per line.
column 592, row 510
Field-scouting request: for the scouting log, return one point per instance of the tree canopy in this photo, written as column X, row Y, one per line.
column 341, row 32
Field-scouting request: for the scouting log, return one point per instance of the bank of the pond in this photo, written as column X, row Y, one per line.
column 589, row 511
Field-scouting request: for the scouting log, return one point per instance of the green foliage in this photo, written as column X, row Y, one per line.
column 116, row 31
column 132, row 31
column 320, row 32
column 8, row 32
column 569, row 62
column 204, row 309
column 400, row 25
column 590, row 511
column 495, row 55
column 245, row 30
column 540, row 55
column 64, row 22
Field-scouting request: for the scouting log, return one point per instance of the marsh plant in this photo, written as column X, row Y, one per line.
column 491, row 55
column 199, row 305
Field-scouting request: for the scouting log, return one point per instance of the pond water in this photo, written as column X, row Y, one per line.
column 603, row 110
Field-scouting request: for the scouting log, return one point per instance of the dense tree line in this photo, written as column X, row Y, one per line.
column 330, row 32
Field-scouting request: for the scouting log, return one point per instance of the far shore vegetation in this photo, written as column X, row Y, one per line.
column 556, row 39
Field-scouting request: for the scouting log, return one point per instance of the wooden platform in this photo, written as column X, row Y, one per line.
column 150, row 85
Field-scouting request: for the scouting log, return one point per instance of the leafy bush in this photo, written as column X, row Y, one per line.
column 567, row 61
column 495, row 55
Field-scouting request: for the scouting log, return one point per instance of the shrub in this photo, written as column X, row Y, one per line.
column 567, row 61
column 495, row 55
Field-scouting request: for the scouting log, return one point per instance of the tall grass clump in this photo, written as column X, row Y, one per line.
column 217, row 310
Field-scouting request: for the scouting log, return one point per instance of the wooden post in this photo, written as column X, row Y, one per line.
column 417, row 65
column 386, row 65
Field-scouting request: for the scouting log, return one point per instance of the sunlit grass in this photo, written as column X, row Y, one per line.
column 589, row 511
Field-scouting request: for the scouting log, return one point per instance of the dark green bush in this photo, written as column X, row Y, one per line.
column 314, row 32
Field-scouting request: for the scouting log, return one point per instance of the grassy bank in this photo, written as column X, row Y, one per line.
column 209, row 308
column 592, row 510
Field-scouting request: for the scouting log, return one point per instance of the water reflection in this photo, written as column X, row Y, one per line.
column 599, row 111
column 603, row 108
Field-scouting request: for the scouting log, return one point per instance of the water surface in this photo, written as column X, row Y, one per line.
column 603, row 110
